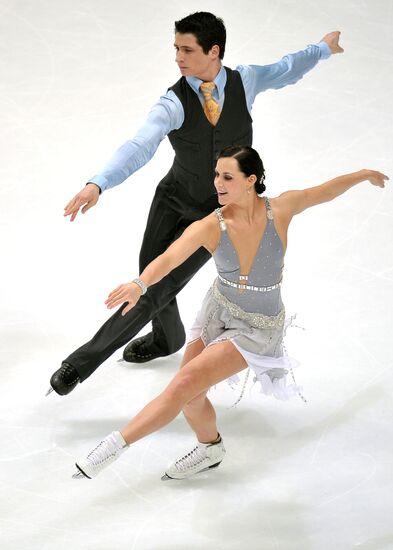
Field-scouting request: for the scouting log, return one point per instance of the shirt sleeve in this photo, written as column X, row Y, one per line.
column 166, row 115
column 289, row 70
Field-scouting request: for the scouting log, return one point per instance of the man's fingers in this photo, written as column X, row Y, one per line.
column 74, row 206
column 336, row 39
column 74, row 203
column 86, row 207
column 332, row 39
column 73, row 209
column 84, row 200
column 70, row 204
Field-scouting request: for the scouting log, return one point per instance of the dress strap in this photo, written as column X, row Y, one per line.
column 220, row 217
column 269, row 211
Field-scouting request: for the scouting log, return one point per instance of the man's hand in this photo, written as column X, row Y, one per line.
column 86, row 198
column 331, row 40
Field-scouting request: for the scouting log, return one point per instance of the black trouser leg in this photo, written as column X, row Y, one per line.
column 162, row 227
column 119, row 330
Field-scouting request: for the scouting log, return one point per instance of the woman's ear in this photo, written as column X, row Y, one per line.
column 252, row 179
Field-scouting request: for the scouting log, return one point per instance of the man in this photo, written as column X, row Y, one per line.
column 205, row 111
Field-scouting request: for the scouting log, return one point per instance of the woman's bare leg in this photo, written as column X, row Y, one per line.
column 193, row 349
column 201, row 418
column 205, row 369
column 199, row 412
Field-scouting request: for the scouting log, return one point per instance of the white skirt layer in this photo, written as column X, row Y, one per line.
column 262, row 349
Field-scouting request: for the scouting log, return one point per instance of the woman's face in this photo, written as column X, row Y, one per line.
column 231, row 184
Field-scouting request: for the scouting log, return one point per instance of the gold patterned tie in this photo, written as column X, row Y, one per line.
column 211, row 107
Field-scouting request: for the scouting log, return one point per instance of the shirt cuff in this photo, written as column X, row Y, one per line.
column 101, row 181
column 325, row 50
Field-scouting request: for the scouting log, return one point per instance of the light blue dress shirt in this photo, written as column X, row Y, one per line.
column 168, row 114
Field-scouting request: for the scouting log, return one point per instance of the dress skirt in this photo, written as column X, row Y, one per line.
column 259, row 339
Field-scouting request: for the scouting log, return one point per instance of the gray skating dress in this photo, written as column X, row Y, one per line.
column 248, row 311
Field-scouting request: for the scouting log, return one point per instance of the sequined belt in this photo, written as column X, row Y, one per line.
column 242, row 286
column 257, row 320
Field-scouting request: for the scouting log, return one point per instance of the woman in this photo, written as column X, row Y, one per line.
column 242, row 313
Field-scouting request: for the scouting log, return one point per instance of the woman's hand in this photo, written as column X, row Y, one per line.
column 376, row 178
column 129, row 292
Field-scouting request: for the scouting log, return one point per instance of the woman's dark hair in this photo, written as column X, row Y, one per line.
column 250, row 163
column 207, row 29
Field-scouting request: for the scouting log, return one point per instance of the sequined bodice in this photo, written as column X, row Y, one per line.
column 265, row 273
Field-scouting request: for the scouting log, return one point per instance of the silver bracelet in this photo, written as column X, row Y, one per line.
column 141, row 285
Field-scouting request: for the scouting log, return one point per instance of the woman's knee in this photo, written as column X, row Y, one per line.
column 184, row 387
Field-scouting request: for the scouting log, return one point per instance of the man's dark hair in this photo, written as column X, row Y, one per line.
column 250, row 163
column 208, row 30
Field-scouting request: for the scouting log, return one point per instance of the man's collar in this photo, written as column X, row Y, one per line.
column 220, row 81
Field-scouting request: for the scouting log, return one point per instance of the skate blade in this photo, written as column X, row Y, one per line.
column 49, row 391
column 165, row 477
column 80, row 474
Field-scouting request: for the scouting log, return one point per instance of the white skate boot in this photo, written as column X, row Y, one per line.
column 99, row 458
column 203, row 457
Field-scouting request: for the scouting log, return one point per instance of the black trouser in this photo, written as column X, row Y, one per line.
column 165, row 223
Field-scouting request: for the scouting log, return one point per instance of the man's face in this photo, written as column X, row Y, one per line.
column 191, row 59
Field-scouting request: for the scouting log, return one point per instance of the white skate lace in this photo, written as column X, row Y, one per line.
column 190, row 460
column 102, row 453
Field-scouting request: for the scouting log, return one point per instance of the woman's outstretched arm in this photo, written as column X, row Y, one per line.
column 294, row 202
column 196, row 235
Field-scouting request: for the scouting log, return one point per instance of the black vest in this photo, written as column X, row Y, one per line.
column 197, row 142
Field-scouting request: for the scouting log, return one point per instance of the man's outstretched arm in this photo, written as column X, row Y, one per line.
column 166, row 115
column 290, row 69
